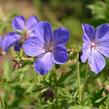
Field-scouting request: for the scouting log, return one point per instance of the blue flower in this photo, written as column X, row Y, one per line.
column 22, row 29
column 48, row 47
column 95, row 46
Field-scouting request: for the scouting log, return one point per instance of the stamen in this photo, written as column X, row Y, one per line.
column 25, row 35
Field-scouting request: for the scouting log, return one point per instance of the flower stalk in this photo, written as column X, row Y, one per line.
column 79, row 80
column 55, row 87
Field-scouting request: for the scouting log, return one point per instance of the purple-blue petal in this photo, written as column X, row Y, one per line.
column 18, row 23
column 9, row 40
column 96, row 61
column 102, row 30
column 89, row 32
column 60, row 55
column 60, row 36
column 44, row 64
column 85, row 52
column 39, row 32
column 104, row 50
column 33, row 47
column 31, row 22
column 44, row 31
column 47, row 35
column 85, row 38
column 103, row 39
column 103, row 47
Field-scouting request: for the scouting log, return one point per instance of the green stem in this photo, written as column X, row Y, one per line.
column 79, row 82
column 85, row 83
column 55, row 88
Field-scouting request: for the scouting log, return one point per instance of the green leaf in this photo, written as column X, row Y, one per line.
column 97, row 98
column 63, row 78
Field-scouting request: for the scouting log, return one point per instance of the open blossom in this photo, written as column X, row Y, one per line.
column 48, row 47
column 95, row 46
column 22, row 30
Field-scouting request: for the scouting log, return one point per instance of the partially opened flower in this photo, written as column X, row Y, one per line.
column 23, row 28
column 95, row 46
column 48, row 47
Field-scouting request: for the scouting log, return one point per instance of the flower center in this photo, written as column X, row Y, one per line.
column 25, row 35
column 93, row 45
column 49, row 49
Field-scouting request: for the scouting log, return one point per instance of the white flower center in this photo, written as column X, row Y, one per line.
column 93, row 45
